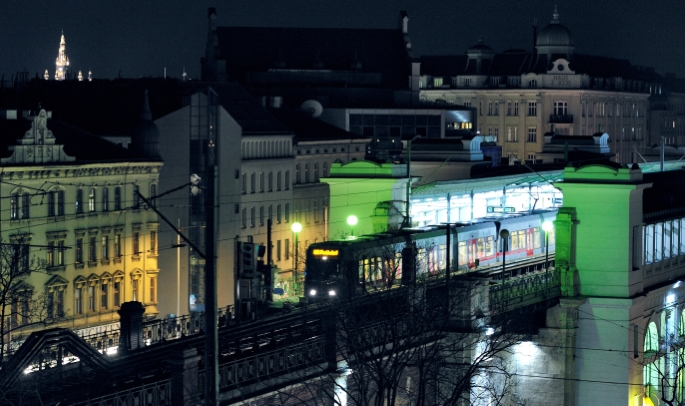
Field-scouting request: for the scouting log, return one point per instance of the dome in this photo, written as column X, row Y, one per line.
column 555, row 37
column 555, row 34
column 480, row 49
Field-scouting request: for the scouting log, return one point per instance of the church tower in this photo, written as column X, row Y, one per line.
column 62, row 62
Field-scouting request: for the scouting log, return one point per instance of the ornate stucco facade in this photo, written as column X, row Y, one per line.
column 68, row 198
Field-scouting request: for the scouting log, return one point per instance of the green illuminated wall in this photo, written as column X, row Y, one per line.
column 356, row 189
column 608, row 204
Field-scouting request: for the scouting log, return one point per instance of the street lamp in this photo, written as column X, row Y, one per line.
column 352, row 221
column 296, row 227
column 504, row 234
column 547, row 226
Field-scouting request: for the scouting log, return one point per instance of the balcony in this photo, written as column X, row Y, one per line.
column 561, row 118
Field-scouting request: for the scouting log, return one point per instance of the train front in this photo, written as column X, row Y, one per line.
column 323, row 279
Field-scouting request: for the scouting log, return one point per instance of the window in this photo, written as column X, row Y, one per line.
column 91, row 298
column 561, row 108
column 153, row 242
column 134, row 289
column 316, row 172
column 105, row 247
column 516, row 108
column 117, row 198
column 306, row 173
column 55, row 253
column 92, row 254
column 270, row 214
column 278, row 180
column 25, row 198
column 286, row 179
column 252, row 216
column 244, row 189
column 278, row 213
column 14, row 206
column 437, row 82
column 261, row 182
column 325, row 169
column 467, row 82
column 287, row 249
column 153, row 193
column 105, row 199
column 78, row 250
column 531, row 157
column 55, row 305
column 78, row 303
column 116, row 293
column 91, row 200
column 278, row 250
column 509, row 108
column 297, row 174
column 512, row 134
column 532, row 134
column 532, row 109
column 271, row 182
column 79, row 201
column 104, row 290
column 491, row 108
column 117, row 245
column 243, row 222
column 533, row 83
column 135, row 239
column 153, row 289
column 261, row 215
column 136, row 197
column 253, row 180
column 287, row 213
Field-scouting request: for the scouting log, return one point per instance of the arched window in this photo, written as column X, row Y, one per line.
column 79, row 292
column 91, row 200
column 91, row 293
column 651, row 339
column 137, row 285
column 117, row 288
column 105, row 199
column 105, row 289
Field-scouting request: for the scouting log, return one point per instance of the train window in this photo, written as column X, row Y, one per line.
column 462, row 257
column 667, row 239
column 442, row 250
column 489, row 246
column 518, row 240
column 480, row 247
column 398, row 266
column 536, row 238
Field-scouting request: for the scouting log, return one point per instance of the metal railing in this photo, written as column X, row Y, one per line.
column 525, row 289
column 152, row 394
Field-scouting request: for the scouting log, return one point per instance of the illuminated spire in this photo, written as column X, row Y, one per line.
column 62, row 62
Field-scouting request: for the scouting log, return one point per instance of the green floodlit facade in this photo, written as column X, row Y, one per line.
column 373, row 192
column 607, row 205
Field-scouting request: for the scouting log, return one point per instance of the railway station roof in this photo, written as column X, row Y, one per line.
column 465, row 186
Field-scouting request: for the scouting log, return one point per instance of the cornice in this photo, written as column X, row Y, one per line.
column 79, row 171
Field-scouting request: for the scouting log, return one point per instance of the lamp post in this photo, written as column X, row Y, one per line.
column 547, row 226
column 352, row 221
column 296, row 227
column 504, row 234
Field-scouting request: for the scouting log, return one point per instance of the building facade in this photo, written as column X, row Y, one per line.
column 72, row 214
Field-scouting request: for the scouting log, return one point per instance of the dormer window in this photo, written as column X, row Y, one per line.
column 494, row 82
column 437, row 82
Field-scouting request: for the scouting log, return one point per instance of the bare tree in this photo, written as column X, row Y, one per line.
column 415, row 344
column 21, row 308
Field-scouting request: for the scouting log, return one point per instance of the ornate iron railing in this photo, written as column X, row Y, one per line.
column 152, row 394
column 239, row 372
column 521, row 290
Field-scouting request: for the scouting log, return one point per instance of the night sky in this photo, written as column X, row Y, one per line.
column 136, row 38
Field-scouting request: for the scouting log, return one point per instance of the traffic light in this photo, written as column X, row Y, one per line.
column 247, row 259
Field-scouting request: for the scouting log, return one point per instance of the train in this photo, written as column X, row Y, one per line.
column 369, row 263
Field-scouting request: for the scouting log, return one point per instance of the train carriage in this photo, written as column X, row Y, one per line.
column 382, row 261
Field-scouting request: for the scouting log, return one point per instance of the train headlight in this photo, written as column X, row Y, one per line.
column 331, row 293
column 312, row 292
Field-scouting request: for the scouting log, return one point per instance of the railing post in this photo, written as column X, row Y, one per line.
column 131, row 322
column 185, row 382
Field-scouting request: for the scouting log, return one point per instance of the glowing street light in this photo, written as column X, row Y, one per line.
column 352, row 221
column 296, row 227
